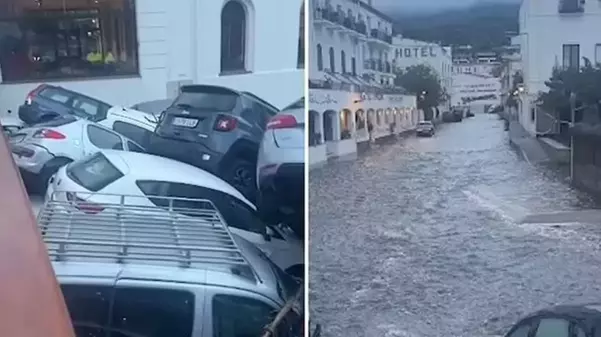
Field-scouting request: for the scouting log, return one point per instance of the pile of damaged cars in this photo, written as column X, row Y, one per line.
column 209, row 143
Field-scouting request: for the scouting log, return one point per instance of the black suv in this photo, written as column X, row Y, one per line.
column 216, row 129
column 47, row 102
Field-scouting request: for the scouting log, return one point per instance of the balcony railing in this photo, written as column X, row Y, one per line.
column 341, row 19
column 380, row 35
column 377, row 65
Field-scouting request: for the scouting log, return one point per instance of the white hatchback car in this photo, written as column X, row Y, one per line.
column 107, row 175
column 281, row 168
column 41, row 150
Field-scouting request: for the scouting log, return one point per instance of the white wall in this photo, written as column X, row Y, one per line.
column 543, row 32
column 180, row 41
column 469, row 85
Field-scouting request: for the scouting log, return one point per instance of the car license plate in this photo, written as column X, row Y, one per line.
column 185, row 122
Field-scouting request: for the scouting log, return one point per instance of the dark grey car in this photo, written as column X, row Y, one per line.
column 216, row 129
column 47, row 102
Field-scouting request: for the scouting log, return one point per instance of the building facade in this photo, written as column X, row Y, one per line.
column 557, row 33
column 476, row 79
column 126, row 51
column 352, row 97
column 409, row 52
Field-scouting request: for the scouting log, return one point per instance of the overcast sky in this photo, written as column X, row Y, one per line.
column 429, row 5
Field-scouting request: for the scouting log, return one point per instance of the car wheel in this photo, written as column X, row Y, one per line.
column 241, row 176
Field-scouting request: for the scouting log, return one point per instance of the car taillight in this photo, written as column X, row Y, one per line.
column 48, row 134
column 83, row 205
column 226, row 123
column 282, row 122
column 31, row 95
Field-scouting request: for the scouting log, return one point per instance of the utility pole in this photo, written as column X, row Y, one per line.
column 573, row 117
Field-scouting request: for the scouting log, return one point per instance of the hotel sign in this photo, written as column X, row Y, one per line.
column 415, row 52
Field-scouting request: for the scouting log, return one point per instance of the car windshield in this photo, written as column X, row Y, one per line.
column 94, row 173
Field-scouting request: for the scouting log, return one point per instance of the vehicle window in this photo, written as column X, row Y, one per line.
column 133, row 132
column 89, row 108
column 521, row 331
column 94, row 173
column 553, row 327
column 264, row 102
column 237, row 316
column 152, row 313
column 300, row 104
column 88, row 307
column 206, row 101
column 133, row 147
column 104, row 139
column 235, row 212
column 55, row 94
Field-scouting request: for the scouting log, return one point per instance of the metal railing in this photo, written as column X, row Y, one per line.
column 128, row 229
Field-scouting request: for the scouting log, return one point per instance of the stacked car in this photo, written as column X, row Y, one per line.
column 210, row 142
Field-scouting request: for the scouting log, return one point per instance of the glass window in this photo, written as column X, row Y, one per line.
column 196, row 99
column 133, row 132
column 53, row 39
column 571, row 56
column 94, row 173
column 332, row 61
column 152, row 313
column 233, row 37
column 553, row 327
column 104, row 139
column 56, row 94
column 319, row 57
column 237, row 316
column 133, row 147
column 234, row 211
column 88, row 307
column 88, row 108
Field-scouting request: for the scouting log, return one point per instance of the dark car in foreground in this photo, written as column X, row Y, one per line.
column 560, row 321
column 216, row 129
column 425, row 129
column 47, row 102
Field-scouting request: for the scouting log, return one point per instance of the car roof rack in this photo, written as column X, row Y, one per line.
column 127, row 230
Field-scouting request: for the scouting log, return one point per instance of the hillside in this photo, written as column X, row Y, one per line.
column 483, row 26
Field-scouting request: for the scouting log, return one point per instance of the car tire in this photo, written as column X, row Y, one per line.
column 241, row 175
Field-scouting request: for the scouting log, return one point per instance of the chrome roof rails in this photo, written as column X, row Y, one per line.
column 129, row 229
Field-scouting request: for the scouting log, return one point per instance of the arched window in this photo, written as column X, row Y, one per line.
column 332, row 61
column 319, row 58
column 233, row 36
column 354, row 66
column 343, row 61
column 301, row 39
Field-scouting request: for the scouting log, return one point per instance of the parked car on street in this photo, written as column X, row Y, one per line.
column 281, row 168
column 100, row 178
column 425, row 128
column 122, row 275
column 155, row 107
column 562, row 320
column 47, row 102
column 133, row 124
column 41, row 150
column 217, row 129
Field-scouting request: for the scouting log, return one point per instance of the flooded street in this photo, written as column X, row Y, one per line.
column 425, row 237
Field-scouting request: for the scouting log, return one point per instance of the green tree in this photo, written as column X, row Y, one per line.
column 423, row 82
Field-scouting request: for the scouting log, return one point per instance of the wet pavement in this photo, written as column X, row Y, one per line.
column 425, row 237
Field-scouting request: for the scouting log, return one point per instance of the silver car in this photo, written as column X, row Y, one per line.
column 123, row 275
column 41, row 150
column 281, row 168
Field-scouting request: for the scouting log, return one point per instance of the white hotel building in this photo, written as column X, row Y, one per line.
column 352, row 98
column 554, row 33
column 409, row 52
column 250, row 45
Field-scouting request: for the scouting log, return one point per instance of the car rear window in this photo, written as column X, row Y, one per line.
column 94, row 173
column 300, row 104
column 216, row 101
column 58, row 121
column 56, row 94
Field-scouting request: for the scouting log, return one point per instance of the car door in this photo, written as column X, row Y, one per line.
column 237, row 313
column 100, row 138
